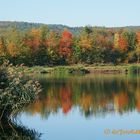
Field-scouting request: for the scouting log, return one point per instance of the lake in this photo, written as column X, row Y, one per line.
column 89, row 107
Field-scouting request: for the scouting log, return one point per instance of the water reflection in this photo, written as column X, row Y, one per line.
column 11, row 130
column 92, row 95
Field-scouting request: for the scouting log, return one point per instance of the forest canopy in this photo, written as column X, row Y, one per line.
column 40, row 44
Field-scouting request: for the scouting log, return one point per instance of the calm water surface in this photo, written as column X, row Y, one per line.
column 83, row 107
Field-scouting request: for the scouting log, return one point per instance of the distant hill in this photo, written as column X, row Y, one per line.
column 56, row 27
column 26, row 26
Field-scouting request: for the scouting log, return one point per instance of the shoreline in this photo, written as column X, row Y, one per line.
column 83, row 69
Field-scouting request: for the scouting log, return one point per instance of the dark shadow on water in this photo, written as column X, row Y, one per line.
column 11, row 130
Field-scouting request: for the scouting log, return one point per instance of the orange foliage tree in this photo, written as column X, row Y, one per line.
column 33, row 40
column 123, row 43
column 65, row 46
column 138, row 47
column 138, row 37
column 120, row 42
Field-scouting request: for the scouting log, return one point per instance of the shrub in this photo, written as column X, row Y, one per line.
column 15, row 90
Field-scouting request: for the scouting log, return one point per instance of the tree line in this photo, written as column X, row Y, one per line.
column 43, row 46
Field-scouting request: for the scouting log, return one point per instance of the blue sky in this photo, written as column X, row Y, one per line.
column 72, row 12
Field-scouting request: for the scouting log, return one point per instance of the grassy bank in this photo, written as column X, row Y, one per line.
column 84, row 69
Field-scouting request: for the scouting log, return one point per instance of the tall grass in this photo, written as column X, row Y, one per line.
column 15, row 91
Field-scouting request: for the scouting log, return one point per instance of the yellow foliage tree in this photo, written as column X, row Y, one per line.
column 12, row 49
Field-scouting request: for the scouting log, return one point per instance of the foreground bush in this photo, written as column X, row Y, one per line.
column 15, row 90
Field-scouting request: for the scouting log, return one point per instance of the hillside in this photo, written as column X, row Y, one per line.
column 26, row 26
column 57, row 27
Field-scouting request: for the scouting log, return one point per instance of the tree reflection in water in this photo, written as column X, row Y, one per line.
column 93, row 95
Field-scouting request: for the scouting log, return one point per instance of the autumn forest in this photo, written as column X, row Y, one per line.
column 92, row 45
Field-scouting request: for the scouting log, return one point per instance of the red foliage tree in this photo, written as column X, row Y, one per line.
column 123, row 43
column 65, row 46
